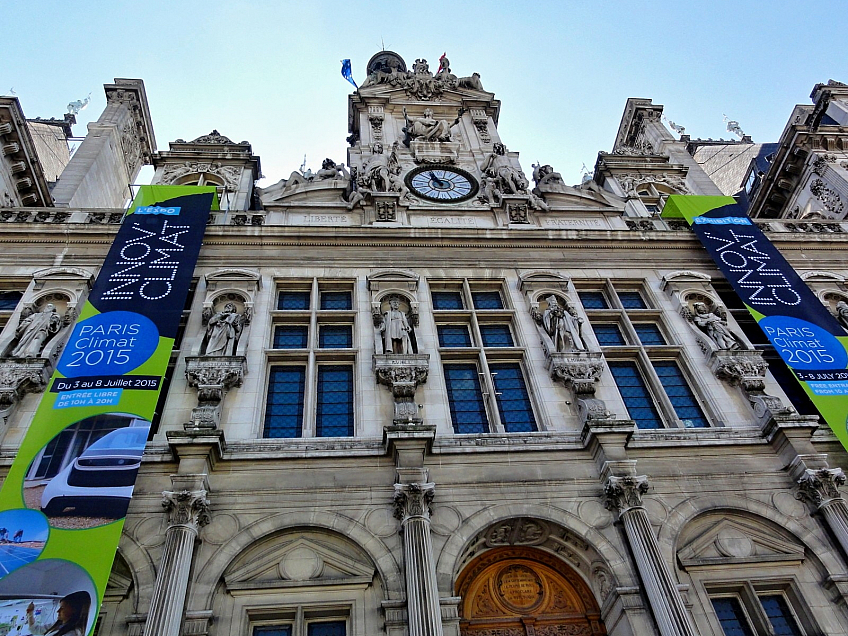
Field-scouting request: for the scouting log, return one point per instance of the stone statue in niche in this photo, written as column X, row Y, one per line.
column 842, row 314
column 562, row 325
column 375, row 176
column 716, row 328
column 428, row 128
column 505, row 177
column 34, row 330
column 395, row 330
column 223, row 331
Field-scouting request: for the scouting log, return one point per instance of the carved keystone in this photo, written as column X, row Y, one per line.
column 212, row 377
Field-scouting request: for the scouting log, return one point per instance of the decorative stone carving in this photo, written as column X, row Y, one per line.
column 395, row 329
column 212, row 377
column 428, row 128
column 101, row 217
column 186, row 508
column 228, row 174
column 402, row 374
column 821, row 486
column 842, row 313
column 223, row 329
column 386, row 68
column 481, row 123
column 385, row 211
column 631, row 181
column 623, row 493
column 18, row 377
column 214, row 138
column 35, row 330
column 579, row 370
column 714, row 325
column 829, row 198
column 518, row 213
column 413, row 500
column 559, row 325
column 506, row 178
column 375, row 173
column 518, row 532
column 745, row 369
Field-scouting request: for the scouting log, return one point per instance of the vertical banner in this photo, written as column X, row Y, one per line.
column 808, row 338
column 63, row 503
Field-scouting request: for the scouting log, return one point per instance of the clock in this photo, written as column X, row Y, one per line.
column 441, row 184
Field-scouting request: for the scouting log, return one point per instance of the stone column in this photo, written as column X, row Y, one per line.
column 412, row 507
column 820, row 487
column 188, row 510
column 624, row 495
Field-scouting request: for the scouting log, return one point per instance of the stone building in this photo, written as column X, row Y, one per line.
column 455, row 395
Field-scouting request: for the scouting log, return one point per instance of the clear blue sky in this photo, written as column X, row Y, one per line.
column 268, row 71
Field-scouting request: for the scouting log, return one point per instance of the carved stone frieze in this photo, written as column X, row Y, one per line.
column 229, row 174
column 623, row 493
column 186, row 508
column 518, row 532
column 212, row 377
column 413, row 500
column 579, row 370
column 829, row 198
column 821, row 486
column 19, row 376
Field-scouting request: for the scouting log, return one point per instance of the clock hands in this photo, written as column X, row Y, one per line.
column 439, row 182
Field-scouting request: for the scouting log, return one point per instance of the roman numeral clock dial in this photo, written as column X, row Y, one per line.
column 441, row 184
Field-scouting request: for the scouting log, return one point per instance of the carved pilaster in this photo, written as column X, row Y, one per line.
column 623, row 493
column 19, row 376
column 481, row 123
column 579, row 371
column 212, row 376
column 188, row 508
column 402, row 374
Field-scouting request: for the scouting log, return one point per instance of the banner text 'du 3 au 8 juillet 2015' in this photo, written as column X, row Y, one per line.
column 807, row 337
column 64, row 500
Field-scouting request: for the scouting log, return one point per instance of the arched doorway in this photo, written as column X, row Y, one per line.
column 525, row 592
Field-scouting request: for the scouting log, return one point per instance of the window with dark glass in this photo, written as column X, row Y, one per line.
column 732, row 617
column 779, row 615
column 454, row 336
column 487, row 300
column 634, row 392
column 326, row 628
column 593, row 300
column 284, row 408
column 496, row 336
column 446, row 300
column 467, row 409
column 649, row 334
column 293, row 300
column 335, row 337
column 9, row 300
column 273, row 630
column 632, row 300
column 291, row 337
column 334, row 417
column 682, row 399
column 513, row 401
column 608, row 335
column 338, row 300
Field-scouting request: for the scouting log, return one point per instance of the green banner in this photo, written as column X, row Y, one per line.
column 807, row 337
column 63, row 503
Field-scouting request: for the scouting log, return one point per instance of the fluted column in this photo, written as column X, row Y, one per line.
column 820, row 487
column 624, row 495
column 412, row 507
column 188, row 510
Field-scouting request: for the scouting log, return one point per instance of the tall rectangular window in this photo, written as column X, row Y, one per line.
column 731, row 616
column 681, row 396
column 487, row 300
column 513, row 401
column 335, row 337
column 284, row 408
column 779, row 615
column 446, row 300
column 593, row 300
column 608, row 335
column 637, row 398
column 291, row 337
column 468, row 412
column 335, row 401
column 454, row 336
column 649, row 334
column 326, row 628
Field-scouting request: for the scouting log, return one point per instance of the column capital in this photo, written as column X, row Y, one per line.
column 186, row 508
column 821, row 486
column 413, row 500
column 623, row 493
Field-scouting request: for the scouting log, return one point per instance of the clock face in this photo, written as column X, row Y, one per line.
column 441, row 184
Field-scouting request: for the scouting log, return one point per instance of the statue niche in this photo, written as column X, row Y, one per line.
column 559, row 325
column 428, row 128
column 711, row 320
column 224, row 326
column 39, row 325
column 394, row 327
